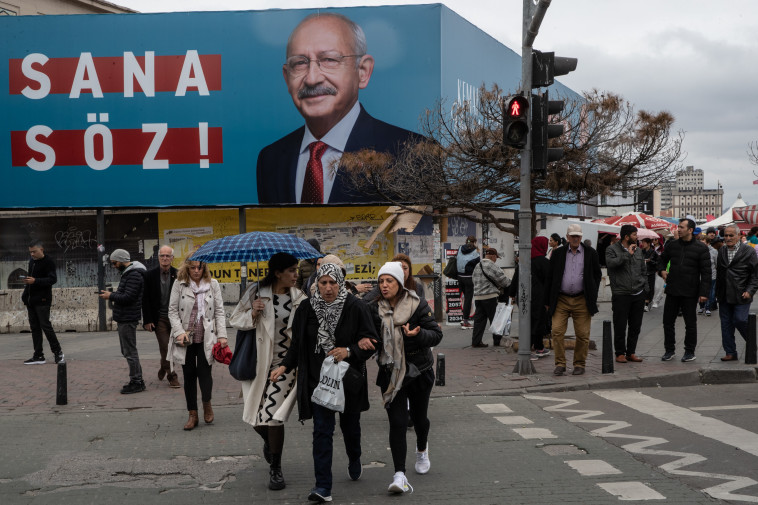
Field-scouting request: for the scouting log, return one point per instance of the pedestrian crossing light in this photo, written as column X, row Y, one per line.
column 515, row 121
column 543, row 131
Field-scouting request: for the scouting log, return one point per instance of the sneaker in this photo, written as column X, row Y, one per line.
column 133, row 387
column 399, row 484
column 707, row 312
column 35, row 360
column 534, row 357
column 355, row 469
column 319, row 495
column 542, row 353
column 59, row 358
column 422, row 461
column 688, row 356
column 647, row 308
column 668, row 356
column 655, row 305
column 700, row 310
column 466, row 325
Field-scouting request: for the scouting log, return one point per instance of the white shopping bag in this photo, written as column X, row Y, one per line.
column 501, row 323
column 330, row 392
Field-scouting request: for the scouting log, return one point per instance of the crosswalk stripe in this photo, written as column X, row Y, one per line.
column 494, row 408
column 532, row 433
column 631, row 491
column 514, row 420
column 592, row 467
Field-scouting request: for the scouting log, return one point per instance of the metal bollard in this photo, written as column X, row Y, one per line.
column 750, row 345
column 607, row 347
column 440, row 369
column 61, row 398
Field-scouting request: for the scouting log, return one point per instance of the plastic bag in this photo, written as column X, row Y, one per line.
column 501, row 323
column 330, row 392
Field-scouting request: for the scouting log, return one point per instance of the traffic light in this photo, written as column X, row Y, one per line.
column 543, row 131
column 545, row 66
column 515, row 121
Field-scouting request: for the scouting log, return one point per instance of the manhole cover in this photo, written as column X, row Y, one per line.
column 563, row 450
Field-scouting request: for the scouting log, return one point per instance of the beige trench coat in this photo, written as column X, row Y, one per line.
column 179, row 310
column 241, row 319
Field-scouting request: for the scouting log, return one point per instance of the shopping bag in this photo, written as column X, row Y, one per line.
column 501, row 323
column 330, row 392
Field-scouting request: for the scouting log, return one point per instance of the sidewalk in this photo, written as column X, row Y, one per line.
column 96, row 371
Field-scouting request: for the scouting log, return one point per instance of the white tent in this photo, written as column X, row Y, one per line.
column 727, row 217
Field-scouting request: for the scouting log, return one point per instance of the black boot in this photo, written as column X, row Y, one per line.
column 276, row 479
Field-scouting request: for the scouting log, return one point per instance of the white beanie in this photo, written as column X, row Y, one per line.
column 395, row 269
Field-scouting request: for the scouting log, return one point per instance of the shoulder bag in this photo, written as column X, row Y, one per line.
column 245, row 357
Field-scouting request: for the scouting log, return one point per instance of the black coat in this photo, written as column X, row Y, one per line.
column 592, row 276
column 127, row 299
column 355, row 323
column 733, row 279
column 41, row 292
column 151, row 296
column 689, row 266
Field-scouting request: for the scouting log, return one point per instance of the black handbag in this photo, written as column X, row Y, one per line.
column 354, row 380
column 245, row 357
column 451, row 269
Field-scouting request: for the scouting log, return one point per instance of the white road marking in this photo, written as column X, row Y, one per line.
column 532, row 433
column 592, row 467
column 628, row 491
column 686, row 419
column 726, row 407
column 514, row 420
column 494, row 408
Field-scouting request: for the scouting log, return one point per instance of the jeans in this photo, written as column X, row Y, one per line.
column 688, row 306
column 711, row 303
column 323, row 441
column 627, row 311
column 127, row 337
column 467, row 291
column 39, row 321
column 485, row 311
column 576, row 308
column 196, row 369
column 413, row 395
column 733, row 317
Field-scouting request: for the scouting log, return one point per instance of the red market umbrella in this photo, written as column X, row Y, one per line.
column 638, row 219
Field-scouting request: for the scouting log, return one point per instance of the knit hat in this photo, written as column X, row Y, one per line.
column 393, row 268
column 121, row 256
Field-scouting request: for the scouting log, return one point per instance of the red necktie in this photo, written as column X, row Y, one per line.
column 313, row 185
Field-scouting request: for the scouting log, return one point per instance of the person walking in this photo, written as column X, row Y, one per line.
column 330, row 323
column 736, row 284
column 688, row 281
column 627, row 271
column 651, row 267
column 127, row 310
column 710, row 305
column 489, row 281
column 572, row 284
column 159, row 282
column 269, row 307
column 466, row 260
column 198, row 321
column 38, row 298
column 407, row 332
column 537, row 314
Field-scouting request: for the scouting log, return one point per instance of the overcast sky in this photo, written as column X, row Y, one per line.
column 695, row 58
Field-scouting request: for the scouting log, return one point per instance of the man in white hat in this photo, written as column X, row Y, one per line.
column 572, row 285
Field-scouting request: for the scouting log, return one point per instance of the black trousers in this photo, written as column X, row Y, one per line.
column 688, row 306
column 196, row 369
column 39, row 321
column 485, row 311
column 627, row 312
column 467, row 291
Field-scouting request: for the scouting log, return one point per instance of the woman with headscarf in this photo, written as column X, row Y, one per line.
column 538, row 317
column 330, row 323
column 271, row 304
column 198, row 321
column 406, row 367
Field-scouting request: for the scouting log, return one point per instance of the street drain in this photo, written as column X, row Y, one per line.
column 563, row 450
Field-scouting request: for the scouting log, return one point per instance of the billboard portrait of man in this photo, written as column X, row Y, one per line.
column 326, row 66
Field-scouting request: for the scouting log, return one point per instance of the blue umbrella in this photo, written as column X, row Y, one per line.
column 253, row 246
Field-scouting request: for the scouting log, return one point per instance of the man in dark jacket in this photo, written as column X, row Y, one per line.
column 688, row 281
column 736, row 284
column 127, row 311
column 628, row 274
column 38, row 297
column 466, row 260
column 158, row 284
column 572, row 284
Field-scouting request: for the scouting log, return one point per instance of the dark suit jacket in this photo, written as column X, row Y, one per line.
column 151, row 297
column 592, row 276
column 277, row 162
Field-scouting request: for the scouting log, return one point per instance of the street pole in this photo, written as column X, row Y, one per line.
column 524, row 365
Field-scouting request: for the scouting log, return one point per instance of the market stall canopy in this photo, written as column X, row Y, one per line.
column 729, row 216
column 638, row 219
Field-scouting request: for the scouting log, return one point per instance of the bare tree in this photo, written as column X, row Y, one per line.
column 463, row 164
column 752, row 153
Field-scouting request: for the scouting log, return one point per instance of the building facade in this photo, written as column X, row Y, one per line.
column 50, row 7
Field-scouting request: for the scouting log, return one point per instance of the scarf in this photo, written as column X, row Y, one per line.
column 199, row 289
column 328, row 314
column 392, row 353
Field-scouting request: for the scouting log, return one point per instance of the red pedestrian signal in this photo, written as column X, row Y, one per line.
column 515, row 121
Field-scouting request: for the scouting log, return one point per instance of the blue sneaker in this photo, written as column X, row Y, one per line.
column 668, row 356
column 319, row 495
column 355, row 469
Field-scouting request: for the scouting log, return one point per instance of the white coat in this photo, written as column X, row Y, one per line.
column 179, row 311
column 253, row 391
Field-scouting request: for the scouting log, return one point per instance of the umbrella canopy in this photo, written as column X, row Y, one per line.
column 638, row 219
column 645, row 233
column 253, row 246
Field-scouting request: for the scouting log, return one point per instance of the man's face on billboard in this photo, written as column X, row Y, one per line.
column 325, row 95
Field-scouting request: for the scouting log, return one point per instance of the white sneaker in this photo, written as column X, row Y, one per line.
column 399, row 484
column 422, row 461
column 655, row 305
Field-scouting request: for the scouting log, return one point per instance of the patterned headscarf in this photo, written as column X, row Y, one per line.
column 328, row 314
